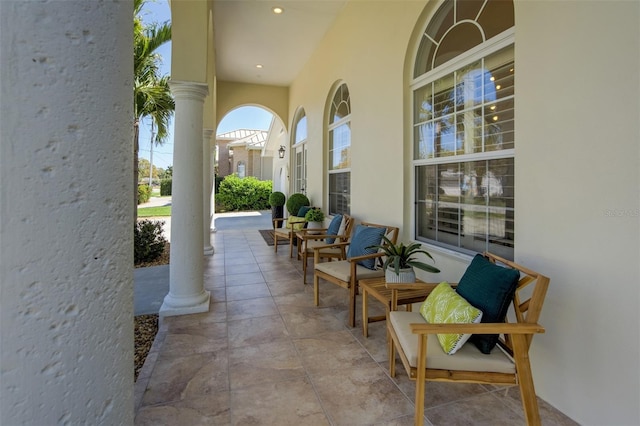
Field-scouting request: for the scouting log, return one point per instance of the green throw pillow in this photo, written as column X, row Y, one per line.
column 296, row 222
column 490, row 288
column 445, row 306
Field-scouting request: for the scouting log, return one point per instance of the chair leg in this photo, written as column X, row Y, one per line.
column 304, row 266
column 316, row 290
column 353, row 289
column 525, row 379
column 392, row 356
column 418, row 418
column 365, row 314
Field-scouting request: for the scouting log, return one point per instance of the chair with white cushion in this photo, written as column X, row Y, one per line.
column 498, row 349
column 359, row 264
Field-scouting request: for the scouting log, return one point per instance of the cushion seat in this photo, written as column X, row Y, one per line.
column 467, row 358
column 342, row 271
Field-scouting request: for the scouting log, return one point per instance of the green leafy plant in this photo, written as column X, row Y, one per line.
column 314, row 215
column 296, row 201
column 276, row 199
column 144, row 193
column 244, row 194
column 148, row 242
column 165, row 186
column 400, row 256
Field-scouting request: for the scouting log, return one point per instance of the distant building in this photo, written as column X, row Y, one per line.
column 240, row 151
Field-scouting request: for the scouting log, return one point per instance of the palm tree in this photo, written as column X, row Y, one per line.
column 152, row 96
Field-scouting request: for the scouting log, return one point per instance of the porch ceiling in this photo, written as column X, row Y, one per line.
column 247, row 33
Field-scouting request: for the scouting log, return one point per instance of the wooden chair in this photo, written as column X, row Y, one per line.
column 284, row 233
column 508, row 364
column 310, row 239
column 346, row 273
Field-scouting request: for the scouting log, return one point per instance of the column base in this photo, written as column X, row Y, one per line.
column 208, row 250
column 172, row 306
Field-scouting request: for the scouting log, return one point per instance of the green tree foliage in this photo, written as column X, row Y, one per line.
column 165, row 187
column 242, row 194
column 151, row 94
column 143, row 171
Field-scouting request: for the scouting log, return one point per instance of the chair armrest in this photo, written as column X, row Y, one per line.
column 365, row 256
column 306, row 236
column 332, row 245
column 277, row 220
column 482, row 328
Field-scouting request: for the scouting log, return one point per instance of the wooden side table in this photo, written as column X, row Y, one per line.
column 391, row 295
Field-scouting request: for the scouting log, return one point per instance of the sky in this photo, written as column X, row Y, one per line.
column 247, row 117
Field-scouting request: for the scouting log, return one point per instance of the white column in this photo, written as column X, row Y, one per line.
column 186, row 280
column 66, row 222
column 206, row 191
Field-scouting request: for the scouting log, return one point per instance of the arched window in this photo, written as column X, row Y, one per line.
column 339, row 171
column 463, row 127
column 299, row 146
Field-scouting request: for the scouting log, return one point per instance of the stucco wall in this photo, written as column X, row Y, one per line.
column 577, row 205
column 577, row 175
column 66, row 213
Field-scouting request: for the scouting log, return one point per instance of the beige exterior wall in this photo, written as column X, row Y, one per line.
column 231, row 95
column 224, row 167
column 577, row 176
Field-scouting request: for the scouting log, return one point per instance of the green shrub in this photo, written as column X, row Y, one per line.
column 165, row 187
column 144, row 193
column 276, row 198
column 244, row 194
column 148, row 242
column 218, row 180
column 296, row 201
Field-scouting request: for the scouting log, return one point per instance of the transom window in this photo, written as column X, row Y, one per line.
column 463, row 128
column 340, row 152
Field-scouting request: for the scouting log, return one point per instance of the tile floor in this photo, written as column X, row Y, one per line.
column 265, row 355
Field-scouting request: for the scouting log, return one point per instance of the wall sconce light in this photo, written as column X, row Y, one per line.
column 281, row 151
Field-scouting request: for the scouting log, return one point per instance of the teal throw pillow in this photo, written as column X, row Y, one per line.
column 490, row 288
column 445, row 306
column 333, row 228
column 303, row 211
column 363, row 238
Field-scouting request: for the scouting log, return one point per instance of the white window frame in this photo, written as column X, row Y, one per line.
column 501, row 41
column 331, row 126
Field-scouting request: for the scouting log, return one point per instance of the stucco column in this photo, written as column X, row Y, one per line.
column 186, row 280
column 206, row 191
column 66, row 222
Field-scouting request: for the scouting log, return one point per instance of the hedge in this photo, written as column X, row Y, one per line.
column 242, row 194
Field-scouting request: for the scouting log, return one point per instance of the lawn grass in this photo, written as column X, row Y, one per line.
column 154, row 211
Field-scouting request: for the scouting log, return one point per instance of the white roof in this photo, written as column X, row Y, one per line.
column 250, row 139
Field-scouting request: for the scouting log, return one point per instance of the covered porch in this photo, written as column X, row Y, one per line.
column 264, row 354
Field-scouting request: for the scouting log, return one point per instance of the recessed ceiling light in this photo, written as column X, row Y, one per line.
column 258, row 65
column 277, row 10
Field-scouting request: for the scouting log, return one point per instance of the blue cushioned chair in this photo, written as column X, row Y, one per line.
column 359, row 264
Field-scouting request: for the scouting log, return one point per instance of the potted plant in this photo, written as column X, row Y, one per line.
column 276, row 200
column 400, row 261
column 315, row 217
column 296, row 201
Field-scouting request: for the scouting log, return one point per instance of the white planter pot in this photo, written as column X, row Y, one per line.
column 314, row 225
column 407, row 275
